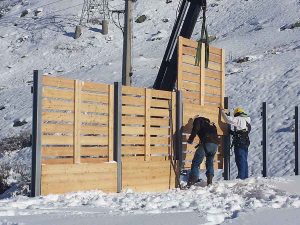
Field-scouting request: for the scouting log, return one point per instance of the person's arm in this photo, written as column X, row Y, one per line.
column 228, row 119
column 193, row 133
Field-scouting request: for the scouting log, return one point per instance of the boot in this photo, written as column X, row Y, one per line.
column 209, row 179
column 191, row 181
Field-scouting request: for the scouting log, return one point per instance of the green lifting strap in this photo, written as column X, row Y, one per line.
column 203, row 39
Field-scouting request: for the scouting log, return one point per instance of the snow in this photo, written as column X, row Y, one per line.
column 221, row 202
column 249, row 29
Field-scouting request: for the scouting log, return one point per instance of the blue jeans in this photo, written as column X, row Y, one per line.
column 241, row 156
column 199, row 156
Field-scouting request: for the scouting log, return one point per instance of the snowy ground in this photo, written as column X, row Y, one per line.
column 256, row 201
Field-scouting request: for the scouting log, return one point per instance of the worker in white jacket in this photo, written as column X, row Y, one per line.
column 241, row 128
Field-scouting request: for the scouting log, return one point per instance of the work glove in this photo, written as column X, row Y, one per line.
column 189, row 141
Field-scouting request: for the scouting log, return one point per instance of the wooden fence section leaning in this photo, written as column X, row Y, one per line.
column 203, row 91
column 148, row 118
column 77, row 136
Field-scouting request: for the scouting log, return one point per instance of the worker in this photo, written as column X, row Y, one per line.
column 208, row 146
column 240, row 123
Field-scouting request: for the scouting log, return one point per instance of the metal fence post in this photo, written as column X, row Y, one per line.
column 226, row 152
column 265, row 141
column 179, row 124
column 118, row 132
column 36, row 134
column 297, row 129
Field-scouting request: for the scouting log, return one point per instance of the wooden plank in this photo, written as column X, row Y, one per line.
column 92, row 97
column 131, row 110
column 94, row 140
column 130, row 100
column 133, row 149
column 127, row 90
column 190, row 51
column 57, row 161
column 94, row 160
column 202, row 75
column 188, row 59
column 95, row 119
column 179, row 64
column 85, row 107
column 159, row 112
column 58, row 82
column 128, row 159
column 133, row 140
column 58, row 128
column 57, row 140
column 191, row 86
column 213, row 82
column 159, row 140
column 159, row 131
column 133, row 120
column 215, row 50
column 111, row 124
column 159, row 122
column 95, row 87
column 147, row 123
column 212, row 99
column 91, row 151
column 214, row 66
column 191, row 95
column 215, row 58
column 212, row 74
column 193, row 44
column 159, row 103
column 77, row 122
column 161, row 94
column 79, row 169
column 222, row 79
column 52, row 104
column 85, row 129
column 191, row 77
column 59, row 117
column 57, row 93
column 191, row 69
column 212, row 91
column 57, row 151
column 160, row 149
column 133, row 130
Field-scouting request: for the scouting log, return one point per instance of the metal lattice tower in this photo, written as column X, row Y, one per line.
column 94, row 10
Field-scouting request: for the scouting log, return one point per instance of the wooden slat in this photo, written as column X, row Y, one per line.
column 213, row 82
column 111, row 124
column 77, row 119
column 160, row 112
column 192, row 95
column 132, row 140
column 88, row 118
column 133, row 149
column 190, row 51
column 133, row 120
column 160, row 149
column 95, row 87
column 215, row 58
column 51, row 104
column 161, row 94
column 94, row 108
column 159, row 131
column 179, row 64
column 191, row 86
column 57, row 93
column 188, row 59
column 57, row 151
column 94, row 160
column 148, row 111
column 130, row 100
column 160, row 122
column 94, row 140
column 57, row 128
column 159, row 140
column 159, row 103
column 131, row 110
column 58, row 82
column 79, row 169
column 191, row 77
column 213, row 91
column 57, row 140
column 127, row 90
column 85, row 151
column 212, row 99
column 57, row 161
column 141, row 159
column 214, row 66
column 133, row 130
column 85, row 129
column 92, row 97
column 63, row 117
column 194, row 44
column 191, row 69
column 213, row 74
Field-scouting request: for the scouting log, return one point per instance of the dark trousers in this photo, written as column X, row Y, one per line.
column 241, row 160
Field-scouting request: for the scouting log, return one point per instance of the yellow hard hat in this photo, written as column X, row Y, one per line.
column 239, row 110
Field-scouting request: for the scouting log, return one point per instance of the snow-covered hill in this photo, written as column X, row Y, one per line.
column 260, row 32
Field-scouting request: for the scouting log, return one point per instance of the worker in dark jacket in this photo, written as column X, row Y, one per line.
column 208, row 146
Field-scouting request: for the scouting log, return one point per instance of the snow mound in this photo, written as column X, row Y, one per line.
column 221, row 201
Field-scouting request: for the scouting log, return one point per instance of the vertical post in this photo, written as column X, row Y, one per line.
column 265, row 141
column 104, row 27
column 126, row 70
column 202, row 75
column 226, row 147
column 179, row 124
column 36, row 134
column 179, row 65
column 147, row 123
column 297, row 129
column 77, row 122
column 223, row 79
column 111, row 117
column 118, row 132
